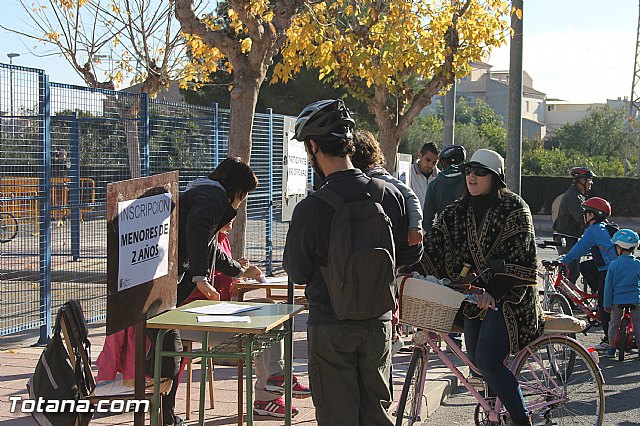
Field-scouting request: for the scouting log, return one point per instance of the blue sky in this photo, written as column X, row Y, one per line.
column 577, row 50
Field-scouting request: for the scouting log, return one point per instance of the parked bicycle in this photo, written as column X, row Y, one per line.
column 558, row 291
column 8, row 227
column 560, row 380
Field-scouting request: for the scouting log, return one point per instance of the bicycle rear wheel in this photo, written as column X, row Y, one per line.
column 8, row 227
column 407, row 413
column 559, row 304
column 622, row 345
column 555, row 397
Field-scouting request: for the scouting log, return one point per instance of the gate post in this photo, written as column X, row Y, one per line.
column 74, row 193
column 45, row 209
column 269, row 245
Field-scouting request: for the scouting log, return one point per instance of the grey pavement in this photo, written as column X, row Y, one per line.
column 18, row 359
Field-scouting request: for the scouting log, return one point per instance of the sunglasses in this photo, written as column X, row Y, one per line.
column 478, row 171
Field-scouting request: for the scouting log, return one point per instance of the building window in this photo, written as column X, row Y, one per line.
column 527, row 108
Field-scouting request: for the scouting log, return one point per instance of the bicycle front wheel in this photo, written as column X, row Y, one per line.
column 552, row 394
column 8, row 227
column 408, row 412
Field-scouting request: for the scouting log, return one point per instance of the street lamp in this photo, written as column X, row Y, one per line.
column 11, row 56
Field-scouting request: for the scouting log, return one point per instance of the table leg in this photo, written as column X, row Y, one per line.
column 156, row 377
column 240, row 393
column 249, row 379
column 288, row 370
column 203, row 376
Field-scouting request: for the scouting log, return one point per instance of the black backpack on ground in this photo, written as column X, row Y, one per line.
column 57, row 377
column 361, row 263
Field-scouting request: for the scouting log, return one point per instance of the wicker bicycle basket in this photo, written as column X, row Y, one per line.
column 425, row 303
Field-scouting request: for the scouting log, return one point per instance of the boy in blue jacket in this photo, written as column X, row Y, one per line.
column 597, row 241
column 622, row 285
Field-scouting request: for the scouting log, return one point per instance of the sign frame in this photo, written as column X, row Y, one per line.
column 136, row 304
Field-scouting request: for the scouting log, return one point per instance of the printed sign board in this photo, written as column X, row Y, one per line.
column 296, row 167
column 403, row 168
column 295, row 174
column 142, row 249
column 143, row 243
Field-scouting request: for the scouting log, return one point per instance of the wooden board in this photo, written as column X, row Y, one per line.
column 134, row 305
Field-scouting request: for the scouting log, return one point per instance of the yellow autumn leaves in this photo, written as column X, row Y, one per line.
column 364, row 43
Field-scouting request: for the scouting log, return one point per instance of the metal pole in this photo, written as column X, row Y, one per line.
column 75, row 192
column 450, row 115
column 11, row 56
column 146, row 135
column 514, row 129
column 216, row 135
column 269, row 242
column 45, row 210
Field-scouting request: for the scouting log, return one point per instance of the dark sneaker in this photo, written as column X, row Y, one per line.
column 273, row 408
column 276, row 384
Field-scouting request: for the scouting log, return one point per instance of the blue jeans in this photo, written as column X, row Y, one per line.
column 487, row 344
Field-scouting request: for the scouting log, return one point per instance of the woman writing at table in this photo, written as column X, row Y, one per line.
column 270, row 363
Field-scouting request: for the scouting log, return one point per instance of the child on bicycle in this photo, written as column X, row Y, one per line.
column 622, row 285
column 597, row 241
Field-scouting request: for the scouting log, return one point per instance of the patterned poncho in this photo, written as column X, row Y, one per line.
column 505, row 232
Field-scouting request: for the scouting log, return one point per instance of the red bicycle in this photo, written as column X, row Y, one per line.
column 555, row 283
column 624, row 337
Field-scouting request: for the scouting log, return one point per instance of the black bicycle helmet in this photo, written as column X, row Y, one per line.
column 453, row 151
column 327, row 118
column 582, row 172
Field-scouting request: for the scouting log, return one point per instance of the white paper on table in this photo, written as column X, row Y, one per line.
column 223, row 308
column 278, row 280
column 224, row 318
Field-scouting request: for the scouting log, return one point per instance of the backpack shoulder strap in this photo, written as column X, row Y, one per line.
column 329, row 197
column 376, row 189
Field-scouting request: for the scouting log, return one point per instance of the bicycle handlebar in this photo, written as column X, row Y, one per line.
column 548, row 243
column 551, row 263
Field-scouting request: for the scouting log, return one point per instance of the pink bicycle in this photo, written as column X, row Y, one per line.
column 560, row 380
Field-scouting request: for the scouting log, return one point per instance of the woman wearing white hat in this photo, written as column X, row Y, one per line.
column 490, row 222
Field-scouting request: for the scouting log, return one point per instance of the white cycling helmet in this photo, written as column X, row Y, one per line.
column 490, row 160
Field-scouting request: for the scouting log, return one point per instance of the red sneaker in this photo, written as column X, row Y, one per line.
column 273, row 408
column 276, row 384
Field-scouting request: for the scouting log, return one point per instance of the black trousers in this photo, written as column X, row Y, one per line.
column 169, row 368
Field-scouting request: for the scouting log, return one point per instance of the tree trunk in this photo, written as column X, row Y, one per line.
column 244, row 97
column 389, row 141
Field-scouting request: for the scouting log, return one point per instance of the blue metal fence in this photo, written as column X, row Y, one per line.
column 59, row 147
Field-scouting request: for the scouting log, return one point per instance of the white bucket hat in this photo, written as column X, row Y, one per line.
column 490, row 160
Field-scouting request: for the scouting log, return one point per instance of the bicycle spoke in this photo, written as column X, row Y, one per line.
column 561, row 384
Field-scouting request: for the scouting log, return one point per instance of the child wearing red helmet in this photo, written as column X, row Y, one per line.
column 597, row 241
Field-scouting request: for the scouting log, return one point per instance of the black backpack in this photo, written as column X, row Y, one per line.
column 57, row 377
column 598, row 260
column 361, row 263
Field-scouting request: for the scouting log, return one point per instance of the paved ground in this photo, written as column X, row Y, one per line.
column 18, row 360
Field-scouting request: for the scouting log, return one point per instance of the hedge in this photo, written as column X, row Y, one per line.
column 622, row 192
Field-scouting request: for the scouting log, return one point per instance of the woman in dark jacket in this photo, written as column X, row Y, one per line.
column 490, row 222
column 207, row 205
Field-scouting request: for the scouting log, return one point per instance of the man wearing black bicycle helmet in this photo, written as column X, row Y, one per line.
column 347, row 389
column 448, row 185
column 569, row 225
